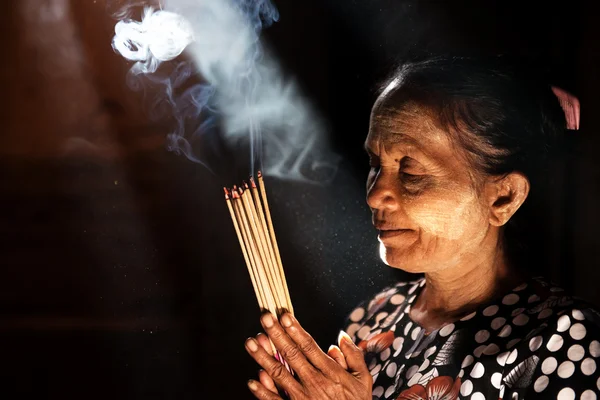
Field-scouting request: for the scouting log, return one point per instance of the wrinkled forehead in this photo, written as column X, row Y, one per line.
column 391, row 121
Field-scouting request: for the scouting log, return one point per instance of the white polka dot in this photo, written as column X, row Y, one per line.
column 588, row 366
column 461, row 373
column 397, row 343
column 566, row 369
column 520, row 287
column 545, row 313
column 478, row 370
column 466, row 388
column 363, row 332
column 497, row 323
column 357, row 314
column 501, row 359
column 377, row 369
column 588, row 395
column 491, row 310
column 446, row 330
column 412, row 298
column 482, row 336
column 520, row 320
column 510, row 299
column 391, row 369
column 491, row 349
column 535, row 343
column 577, row 331
column 352, row 329
column 407, row 328
column 513, row 342
column 541, row 383
column 479, row 350
column 566, row 394
column 467, row 361
column 564, row 323
column 415, row 379
column 595, row 348
column 512, row 357
column 415, row 333
column 385, row 354
column 532, row 298
column 378, row 391
column 397, row 299
column 373, row 333
column 412, row 289
column 555, row 343
column 390, row 390
column 598, row 383
column 506, row 331
column 497, row 380
column 477, row 396
column 517, row 311
column 381, row 316
column 576, row 352
column 549, row 365
column 424, row 366
column 429, row 351
column 415, row 354
column 411, row 371
column 577, row 314
column 468, row 317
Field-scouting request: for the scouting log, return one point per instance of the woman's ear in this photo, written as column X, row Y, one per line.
column 506, row 195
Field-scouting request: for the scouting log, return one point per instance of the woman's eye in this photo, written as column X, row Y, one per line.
column 409, row 178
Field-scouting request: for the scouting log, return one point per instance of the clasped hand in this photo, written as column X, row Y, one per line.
column 340, row 374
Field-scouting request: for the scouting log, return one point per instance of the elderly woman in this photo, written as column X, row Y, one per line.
column 457, row 147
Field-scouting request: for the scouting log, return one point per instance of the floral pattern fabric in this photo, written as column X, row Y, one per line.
column 535, row 342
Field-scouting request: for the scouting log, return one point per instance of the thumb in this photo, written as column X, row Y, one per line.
column 355, row 358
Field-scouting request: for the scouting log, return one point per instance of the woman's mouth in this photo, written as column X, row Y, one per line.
column 392, row 233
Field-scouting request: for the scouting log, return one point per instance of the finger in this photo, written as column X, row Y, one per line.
column 267, row 381
column 264, row 341
column 272, row 367
column 292, row 353
column 261, row 392
column 354, row 356
column 307, row 345
column 337, row 355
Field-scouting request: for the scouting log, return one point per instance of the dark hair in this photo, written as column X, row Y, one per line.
column 506, row 118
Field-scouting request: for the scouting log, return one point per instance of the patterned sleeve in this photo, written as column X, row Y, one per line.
column 558, row 362
column 361, row 314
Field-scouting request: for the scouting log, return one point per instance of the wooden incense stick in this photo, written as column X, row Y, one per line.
column 263, row 192
column 257, row 292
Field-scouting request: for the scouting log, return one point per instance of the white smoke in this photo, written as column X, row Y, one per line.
column 245, row 86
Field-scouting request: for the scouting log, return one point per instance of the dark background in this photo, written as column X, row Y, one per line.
column 121, row 275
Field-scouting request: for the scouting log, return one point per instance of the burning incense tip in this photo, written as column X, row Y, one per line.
column 252, row 183
column 246, row 185
column 259, row 174
column 226, row 193
column 235, row 194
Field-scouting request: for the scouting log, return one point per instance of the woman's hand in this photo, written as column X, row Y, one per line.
column 343, row 375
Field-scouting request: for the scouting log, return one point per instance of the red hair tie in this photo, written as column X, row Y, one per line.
column 570, row 106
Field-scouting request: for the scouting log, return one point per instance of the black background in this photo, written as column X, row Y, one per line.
column 121, row 274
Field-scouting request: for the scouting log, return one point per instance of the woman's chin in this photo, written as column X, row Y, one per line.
column 400, row 259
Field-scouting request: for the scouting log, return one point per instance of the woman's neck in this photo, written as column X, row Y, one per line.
column 454, row 292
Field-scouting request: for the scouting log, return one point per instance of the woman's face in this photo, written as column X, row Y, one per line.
column 420, row 191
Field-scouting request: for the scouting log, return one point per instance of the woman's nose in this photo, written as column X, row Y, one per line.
column 381, row 191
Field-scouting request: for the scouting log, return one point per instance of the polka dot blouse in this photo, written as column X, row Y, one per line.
column 534, row 343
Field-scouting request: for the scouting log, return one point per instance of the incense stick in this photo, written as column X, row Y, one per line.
column 251, row 217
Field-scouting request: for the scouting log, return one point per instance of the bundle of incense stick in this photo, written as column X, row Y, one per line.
column 251, row 219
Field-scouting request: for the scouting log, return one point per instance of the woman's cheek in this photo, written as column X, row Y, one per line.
column 445, row 218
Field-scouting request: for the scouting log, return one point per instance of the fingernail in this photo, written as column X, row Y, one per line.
column 333, row 347
column 252, row 385
column 286, row 320
column 344, row 336
column 267, row 320
column 251, row 344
